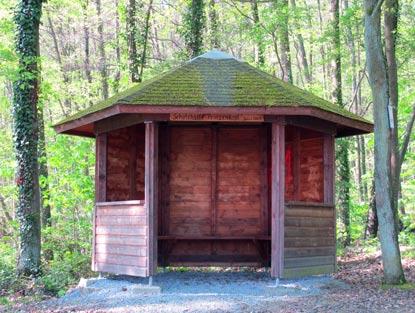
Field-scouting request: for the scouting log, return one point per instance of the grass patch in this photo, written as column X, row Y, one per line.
column 5, row 302
column 406, row 286
column 408, row 252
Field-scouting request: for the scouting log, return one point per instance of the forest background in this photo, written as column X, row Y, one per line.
column 90, row 50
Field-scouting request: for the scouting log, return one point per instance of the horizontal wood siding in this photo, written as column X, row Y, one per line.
column 121, row 243
column 310, row 239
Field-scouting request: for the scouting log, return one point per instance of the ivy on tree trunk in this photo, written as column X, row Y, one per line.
column 26, row 131
column 194, row 21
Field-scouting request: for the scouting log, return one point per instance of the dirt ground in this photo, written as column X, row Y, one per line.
column 357, row 289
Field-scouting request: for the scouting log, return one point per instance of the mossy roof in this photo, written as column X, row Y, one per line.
column 216, row 79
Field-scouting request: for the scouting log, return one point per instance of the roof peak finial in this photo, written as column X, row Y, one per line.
column 216, row 55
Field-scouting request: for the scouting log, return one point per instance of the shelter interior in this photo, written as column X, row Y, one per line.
column 214, row 197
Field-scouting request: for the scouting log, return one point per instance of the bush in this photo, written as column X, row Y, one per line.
column 7, row 263
column 64, row 271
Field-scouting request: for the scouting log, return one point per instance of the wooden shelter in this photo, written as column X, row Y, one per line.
column 214, row 163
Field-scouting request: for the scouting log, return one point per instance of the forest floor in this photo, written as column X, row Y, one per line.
column 355, row 287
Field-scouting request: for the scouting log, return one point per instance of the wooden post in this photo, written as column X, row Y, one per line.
column 101, row 168
column 151, row 193
column 277, row 199
column 132, row 163
column 296, row 163
column 213, row 181
column 264, row 179
column 164, row 138
column 101, row 148
column 328, row 161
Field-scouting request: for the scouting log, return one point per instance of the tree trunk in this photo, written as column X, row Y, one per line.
column 194, row 24
column 44, row 181
column 390, row 29
column 117, row 49
column 132, row 38
column 101, row 49
column 378, row 81
column 213, row 23
column 322, row 49
column 67, row 107
column 260, row 48
column 372, row 223
column 87, row 63
column 342, row 153
column 302, row 53
column 26, row 132
column 282, row 10
column 145, row 40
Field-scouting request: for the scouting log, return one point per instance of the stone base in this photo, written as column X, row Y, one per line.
column 145, row 290
column 87, row 282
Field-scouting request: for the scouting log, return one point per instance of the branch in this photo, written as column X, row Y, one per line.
column 378, row 5
column 240, row 11
column 357, row 88
column 407, row 136
column 6, row 214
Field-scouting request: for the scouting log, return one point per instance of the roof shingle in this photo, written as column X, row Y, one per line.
column 215, row 80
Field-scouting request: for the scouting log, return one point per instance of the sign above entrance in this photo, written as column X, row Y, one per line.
column 196, row 117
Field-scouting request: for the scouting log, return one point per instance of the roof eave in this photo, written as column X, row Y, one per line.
column 347, row 126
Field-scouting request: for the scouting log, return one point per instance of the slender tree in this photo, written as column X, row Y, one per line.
column 283, row 34
column 26, row 131
column 194, row 24
column 342, row 145
column 101, row 49
column 133, row 12
column 213, row 25
column 378, row 80
column 259, row 42
column 301, row 50
column 391, row 14
column 145, row 32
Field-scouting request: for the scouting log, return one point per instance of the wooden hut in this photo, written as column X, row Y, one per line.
column 214, row 163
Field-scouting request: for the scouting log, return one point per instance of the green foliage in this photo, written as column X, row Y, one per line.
column 64, row 270
column 403, row 286
column 194, row 21
column 8, row 255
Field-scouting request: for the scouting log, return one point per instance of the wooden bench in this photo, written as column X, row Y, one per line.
column 174, row 238
column 169, row 242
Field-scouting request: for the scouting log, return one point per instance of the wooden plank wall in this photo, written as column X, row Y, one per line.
column 121, row 241
column 190, row 181
column 304, row 171
column 214, row 190
column 310, row 239
column 311, row 170
column 125, row 164
column 238, row 182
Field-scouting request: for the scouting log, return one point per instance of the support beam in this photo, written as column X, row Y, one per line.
column 296, row 157
column 277, row 199
column 132, row 163
column 101, row 149
column 151, row 193
column 328, row 163
column 213, row 181
column 101, row 168
column 264, row 200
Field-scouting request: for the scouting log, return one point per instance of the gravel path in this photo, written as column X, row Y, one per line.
column 195, row 292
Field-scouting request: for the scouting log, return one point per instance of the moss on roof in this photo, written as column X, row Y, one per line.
column 216, row 82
